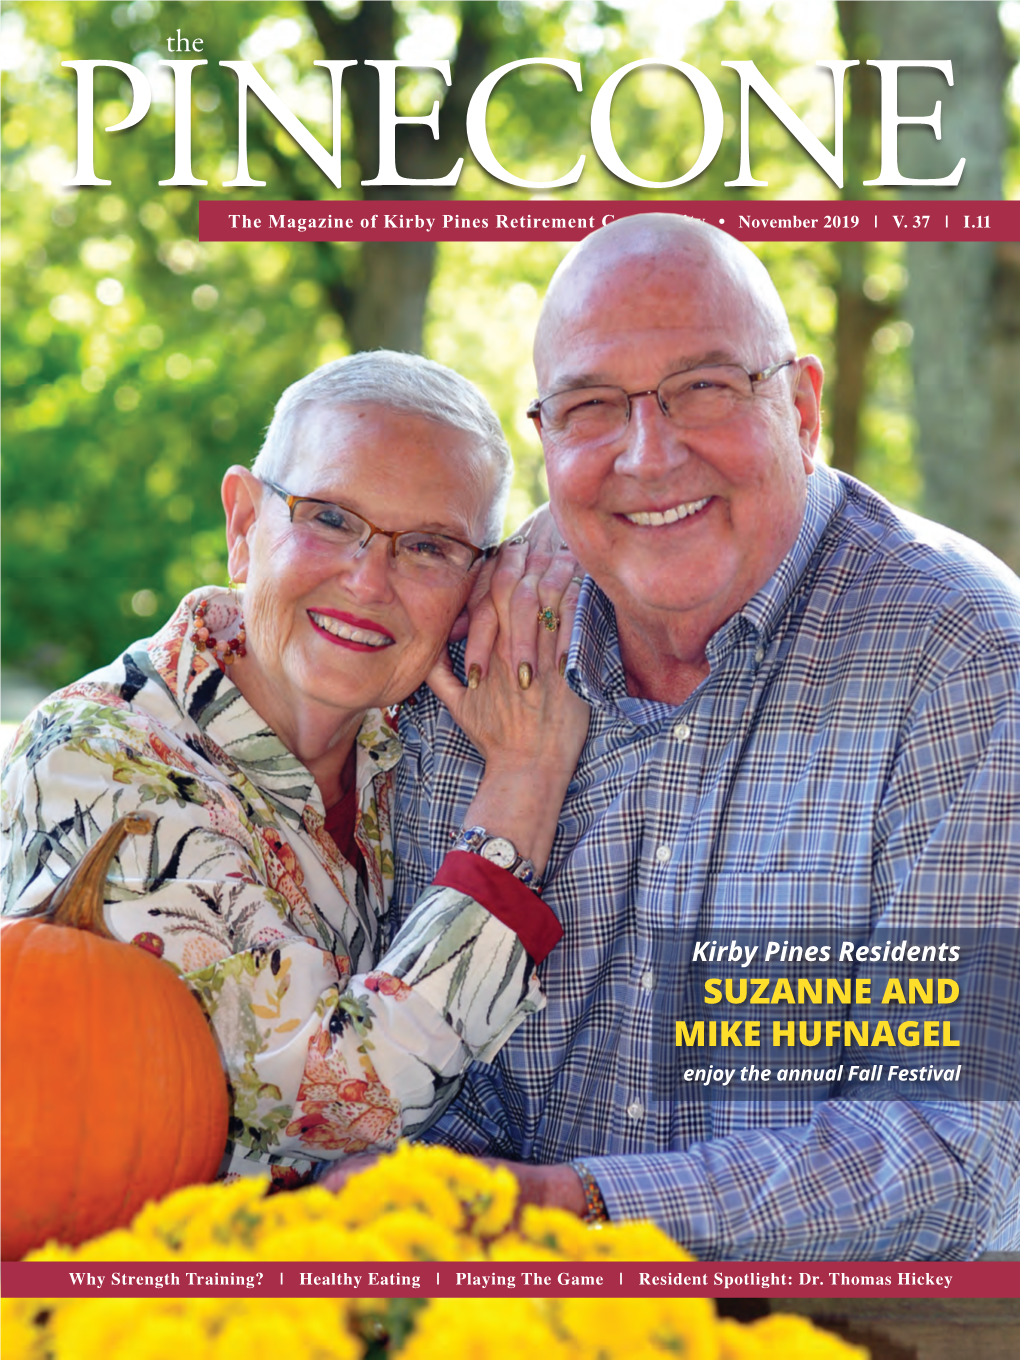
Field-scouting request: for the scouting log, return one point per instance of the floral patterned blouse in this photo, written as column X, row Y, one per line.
column 331, row 1045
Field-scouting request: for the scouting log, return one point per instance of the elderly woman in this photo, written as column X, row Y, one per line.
column 259, row 728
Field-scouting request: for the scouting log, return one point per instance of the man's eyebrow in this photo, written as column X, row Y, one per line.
column 566, row 382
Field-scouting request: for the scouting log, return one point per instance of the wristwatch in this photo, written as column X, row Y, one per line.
column 499, row 851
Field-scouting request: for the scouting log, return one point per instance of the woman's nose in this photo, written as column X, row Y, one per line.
column 369, row 571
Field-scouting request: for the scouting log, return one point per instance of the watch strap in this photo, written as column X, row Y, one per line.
column 474, row 839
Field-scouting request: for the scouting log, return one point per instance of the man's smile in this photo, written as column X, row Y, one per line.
column 670, row 516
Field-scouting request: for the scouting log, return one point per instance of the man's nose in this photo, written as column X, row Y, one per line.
column 653, row 443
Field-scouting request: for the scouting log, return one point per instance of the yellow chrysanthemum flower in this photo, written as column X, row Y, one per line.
column 406, row 1235
column 740, row 1343
column 310, row 1242
column 126, row 1329
column 786, row 1334
column 488, row 1193
column 22, row 1328
column 310, row 1205
column 647, row 1327
column 266, row 1329
column 513, row 1247
column 443, row 1162
column 52, row 1251
column 204, row 1215
column 225, row 1253
column 492, row 1209
column 556, row 1230
column 559, row 1231
column 483, row 1329
column 632, row 1241
column 398, row 1182
column 457, row 1191
column 123, row 1244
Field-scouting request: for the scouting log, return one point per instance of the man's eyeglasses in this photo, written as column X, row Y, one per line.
column 697, row 398
column 415, row 553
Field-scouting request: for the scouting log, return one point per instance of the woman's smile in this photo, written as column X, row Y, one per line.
column 359, row 635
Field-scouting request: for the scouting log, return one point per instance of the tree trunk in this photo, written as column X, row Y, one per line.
column 857, row 316
column 382, row 304
column 962, row 298
column 1003, row 464
column 857, row 320
column 387, row 306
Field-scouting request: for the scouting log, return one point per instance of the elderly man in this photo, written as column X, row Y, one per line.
column 804, row 713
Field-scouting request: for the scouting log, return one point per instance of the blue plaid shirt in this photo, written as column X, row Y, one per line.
column 851, row 762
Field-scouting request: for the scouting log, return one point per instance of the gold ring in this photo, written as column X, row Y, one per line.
column 515, row 541
column 578, row 579
column 549, row 619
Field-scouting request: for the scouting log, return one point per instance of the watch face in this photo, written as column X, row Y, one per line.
column 499, row 851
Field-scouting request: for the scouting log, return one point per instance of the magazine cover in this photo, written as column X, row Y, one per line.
column 489, row 1005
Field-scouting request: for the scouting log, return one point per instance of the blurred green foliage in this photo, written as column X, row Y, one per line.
column 139, row 363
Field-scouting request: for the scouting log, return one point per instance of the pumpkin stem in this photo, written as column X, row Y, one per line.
column 77, row 900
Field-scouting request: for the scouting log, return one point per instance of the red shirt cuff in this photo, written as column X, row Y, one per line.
column 504, row 897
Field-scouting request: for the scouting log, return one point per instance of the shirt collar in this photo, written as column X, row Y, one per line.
column 210, row 699
column 763, row 611
column 594, row 662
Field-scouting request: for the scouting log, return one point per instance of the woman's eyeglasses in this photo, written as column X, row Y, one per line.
column 416, row 553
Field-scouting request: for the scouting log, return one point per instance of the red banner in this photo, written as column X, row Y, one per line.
column 571, row 219
column 481, row 1279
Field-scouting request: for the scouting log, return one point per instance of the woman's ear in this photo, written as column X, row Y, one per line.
column 241, row 493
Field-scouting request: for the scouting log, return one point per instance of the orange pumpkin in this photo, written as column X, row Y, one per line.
column 113, row 1089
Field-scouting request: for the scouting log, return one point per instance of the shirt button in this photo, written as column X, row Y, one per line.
column 635, row 1110
column 663, row 853
column 759, row 654
column 682, row 731
column 648, row 981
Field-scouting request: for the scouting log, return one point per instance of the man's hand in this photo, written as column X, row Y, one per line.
column 347, row 1167
column 550, row 1187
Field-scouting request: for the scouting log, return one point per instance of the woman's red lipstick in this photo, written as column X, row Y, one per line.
column 350, row 621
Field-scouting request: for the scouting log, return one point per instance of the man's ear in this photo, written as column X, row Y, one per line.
column 807, row 398
column 241, row 493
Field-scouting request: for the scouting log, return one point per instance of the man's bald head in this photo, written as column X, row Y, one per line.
column 670, row 254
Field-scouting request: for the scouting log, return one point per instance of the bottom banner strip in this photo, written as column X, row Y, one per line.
column 446, row 1280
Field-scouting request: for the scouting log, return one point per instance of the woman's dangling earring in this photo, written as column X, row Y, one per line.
column 226, row 653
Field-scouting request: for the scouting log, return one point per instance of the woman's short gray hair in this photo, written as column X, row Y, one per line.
column 407, row 383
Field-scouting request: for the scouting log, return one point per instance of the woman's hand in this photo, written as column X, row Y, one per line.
column 524, row 719
column 341, row 1171
column 544, row 573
